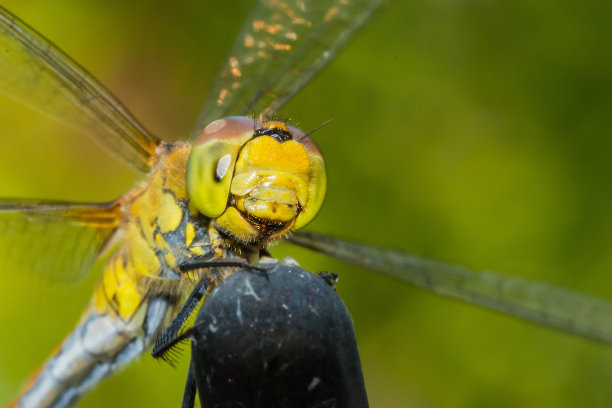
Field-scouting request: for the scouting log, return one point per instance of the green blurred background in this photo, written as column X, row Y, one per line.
column 476, row 132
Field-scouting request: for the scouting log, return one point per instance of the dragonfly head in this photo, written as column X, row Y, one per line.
column 256, row 181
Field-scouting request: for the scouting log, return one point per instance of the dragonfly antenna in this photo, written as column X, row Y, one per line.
column 317, row 128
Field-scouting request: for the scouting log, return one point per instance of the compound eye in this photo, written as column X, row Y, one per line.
column 318, row 178
column 212, row 160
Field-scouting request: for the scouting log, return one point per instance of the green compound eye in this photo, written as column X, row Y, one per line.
column 212, row 160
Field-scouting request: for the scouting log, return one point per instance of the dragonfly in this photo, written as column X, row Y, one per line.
column 382, row 313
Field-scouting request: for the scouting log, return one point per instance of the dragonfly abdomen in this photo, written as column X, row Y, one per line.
column 99, row 345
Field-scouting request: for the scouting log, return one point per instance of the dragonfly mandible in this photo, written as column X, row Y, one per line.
column 463, row 168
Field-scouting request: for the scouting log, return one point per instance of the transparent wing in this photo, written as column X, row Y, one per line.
column 36, row 73
column 56, row 241
column 281, row 46
column 538, row 302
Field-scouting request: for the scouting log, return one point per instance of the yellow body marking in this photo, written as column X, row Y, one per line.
column 170, row 213
column 189, row 234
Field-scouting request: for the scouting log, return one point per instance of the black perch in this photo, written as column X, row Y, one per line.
column 280, row 338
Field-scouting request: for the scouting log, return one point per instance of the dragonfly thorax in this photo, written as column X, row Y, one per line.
column 257, row 181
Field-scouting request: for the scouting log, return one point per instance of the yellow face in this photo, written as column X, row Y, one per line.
column 257, row 181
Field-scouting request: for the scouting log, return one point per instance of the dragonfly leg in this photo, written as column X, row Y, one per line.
column 168, row 338
column 190, row 389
